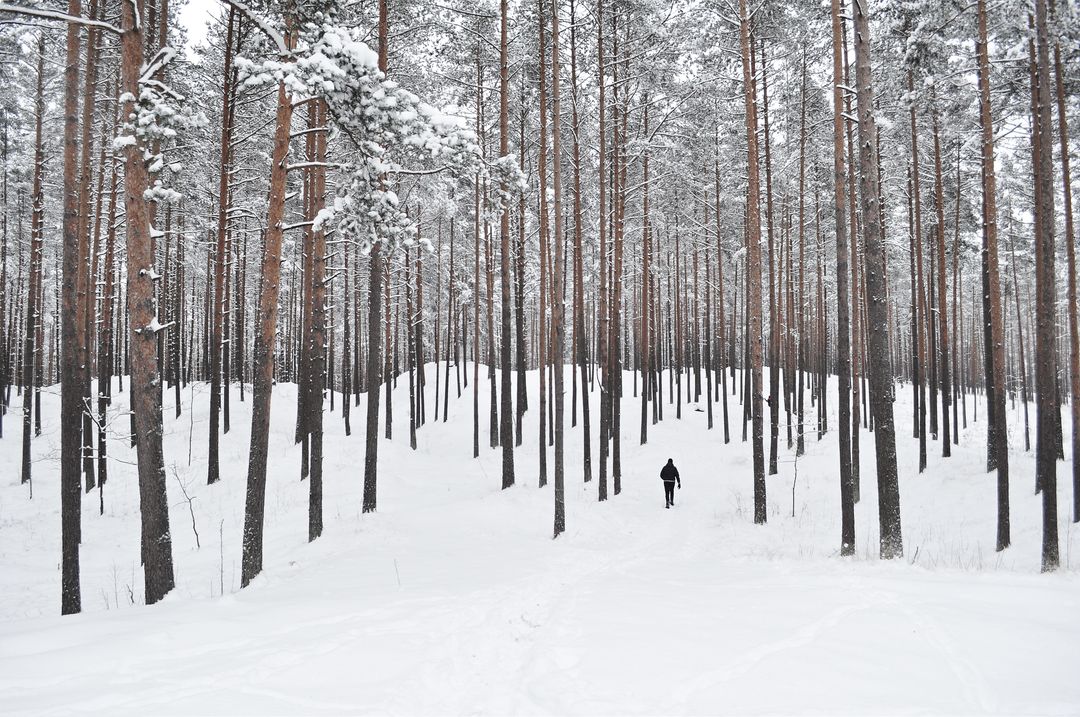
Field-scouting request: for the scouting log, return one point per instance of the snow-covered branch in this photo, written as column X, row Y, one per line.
column 57, row 15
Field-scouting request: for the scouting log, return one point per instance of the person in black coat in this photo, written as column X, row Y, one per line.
column 670, row 475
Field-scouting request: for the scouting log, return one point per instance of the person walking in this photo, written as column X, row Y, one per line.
column 670, row 475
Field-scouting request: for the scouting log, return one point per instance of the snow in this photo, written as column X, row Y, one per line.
column 454, row 599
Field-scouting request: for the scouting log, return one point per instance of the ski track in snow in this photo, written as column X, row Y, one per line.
column 454, row 599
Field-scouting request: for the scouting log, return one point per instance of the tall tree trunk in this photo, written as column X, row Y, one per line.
column 643, row 328
column 720, row 288
column 33, row 309
column 774, row 325
column 519, row 291
column 145, row 379
column 542, row 322
column 1045, row 299
column 317, row 339
column 374, row 335
column 753, row 266
column 263, row 352
column 506, row 427
column 942, row 314
column 559, row 276
column 997, row 436
column 921, row 321
column 603, row 331
column 213, row 469
column 85, row 306
column 800, row 443
column 1020, row 353
column 847, row 493
column 579, row 348
column 70, row 356
column 1070, row 239
column 855, row 333
column 881, row 379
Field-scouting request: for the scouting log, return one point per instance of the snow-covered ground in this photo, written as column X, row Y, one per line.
column 454, row 599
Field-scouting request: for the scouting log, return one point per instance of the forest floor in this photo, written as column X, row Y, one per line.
column 453, row 599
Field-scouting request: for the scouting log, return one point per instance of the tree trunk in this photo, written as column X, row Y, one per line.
column 506, row 427
column 942, row 314
column 33, row 306
column 542, row 323
column 881, row 379
column 997, row 436
column 145, row 379
column 579, row 349
column 213, row 470
column 604, row 329
column 1045, row 300
column 1070, row 239
column 317, row 338
column 847, row 494
column 70, row 355
column 753, row 266
column 559, row 275
column 266, row 321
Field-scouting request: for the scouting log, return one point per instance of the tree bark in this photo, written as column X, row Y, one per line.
column 506, row 427
column 70, row 354
column 997, row 441
column 213, row 469
column 753, row 266
column 1045, row 300
column 881, row 379
column 847, row 502
column 263, row 352
column 145, row 380
column 559, row 275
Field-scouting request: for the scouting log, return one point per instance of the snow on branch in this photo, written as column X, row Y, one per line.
column 384, row 122
column 263, row 24
column 163, row 57
column 57, row 15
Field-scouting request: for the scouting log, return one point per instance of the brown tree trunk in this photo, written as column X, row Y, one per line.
column 643, row 327
column 33, row 308
column 542, row 324
column 70, row 355
column 375, row 345
column 519, row 292
column 558, row 316
column 213, row 469
column 720, row 327
column 881, row 379
column 1070, row 239
column 85, row 337
column 579, row 348
column 847, row 494
column 774, row 325
column 617, row 341
column 997, row 436
column 263, row 353
column 604, row 322
column 800, row 442
column 145, row 379
column 753, row 266
column 1045, row 299
column 506, row 427
column 317, row 339
column 921, row 320
column 942, row 314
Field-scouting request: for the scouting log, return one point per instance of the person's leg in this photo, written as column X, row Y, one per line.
column 669, row 494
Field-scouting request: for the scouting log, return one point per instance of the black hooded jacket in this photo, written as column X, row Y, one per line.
column 669, row 472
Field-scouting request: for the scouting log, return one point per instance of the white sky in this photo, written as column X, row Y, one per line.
column 194, row 16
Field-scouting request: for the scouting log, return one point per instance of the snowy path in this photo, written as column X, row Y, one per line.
column 453, row 599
